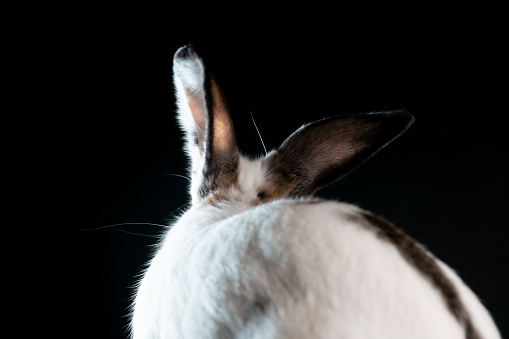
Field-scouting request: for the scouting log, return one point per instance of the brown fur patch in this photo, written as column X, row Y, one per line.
column 277, row 189
column 215, row 197
column 425, row 264
column 218, row 191
column 283, row 179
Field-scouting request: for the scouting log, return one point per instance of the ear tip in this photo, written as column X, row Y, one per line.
column 404, row 112
column 185, row 52
column 410, row 118
column 188, row 66
column 404, row 116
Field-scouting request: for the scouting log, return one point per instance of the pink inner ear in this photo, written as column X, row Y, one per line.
column 198, row 112
column 224, row 139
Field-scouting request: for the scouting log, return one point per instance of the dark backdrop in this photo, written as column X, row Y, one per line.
column 444, row 182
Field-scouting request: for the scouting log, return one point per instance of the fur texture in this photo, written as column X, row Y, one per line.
column 257, row 257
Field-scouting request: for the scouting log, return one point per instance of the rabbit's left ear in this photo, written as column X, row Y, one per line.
column 203, row 115
column 325, row 151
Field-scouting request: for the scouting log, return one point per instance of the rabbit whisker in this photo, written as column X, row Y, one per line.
column 177, row 175
column 114, row 226
column 133, row 233
column 121, row 224
column 258, row 133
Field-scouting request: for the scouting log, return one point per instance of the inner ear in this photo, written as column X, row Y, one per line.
column 222, row 155
column 204, row 116
column 197, row 108
column 325, row 151
column 223, row 136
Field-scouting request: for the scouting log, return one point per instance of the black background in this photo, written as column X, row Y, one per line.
column 444, row 182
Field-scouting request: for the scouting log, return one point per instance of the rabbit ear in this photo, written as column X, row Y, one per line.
column 325, row 151
column 203, row 115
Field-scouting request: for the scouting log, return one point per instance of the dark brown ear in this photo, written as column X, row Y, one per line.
column 203, row 115
column 325, row 151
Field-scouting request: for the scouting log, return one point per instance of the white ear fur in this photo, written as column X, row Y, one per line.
column 203, row 116
column 189, row 77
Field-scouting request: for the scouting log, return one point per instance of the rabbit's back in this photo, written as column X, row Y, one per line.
column 293, row 269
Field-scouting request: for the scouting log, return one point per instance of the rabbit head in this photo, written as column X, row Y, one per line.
column 313, row 157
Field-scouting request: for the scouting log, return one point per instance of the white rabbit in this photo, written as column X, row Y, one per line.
column 257, row 257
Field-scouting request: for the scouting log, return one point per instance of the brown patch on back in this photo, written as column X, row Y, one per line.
column 425, row 264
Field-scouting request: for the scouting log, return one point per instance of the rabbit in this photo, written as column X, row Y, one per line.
column 257, row 256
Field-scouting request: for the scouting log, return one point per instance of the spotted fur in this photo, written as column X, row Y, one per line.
column 256, row 256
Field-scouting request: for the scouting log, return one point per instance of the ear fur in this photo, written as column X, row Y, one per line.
column 325, row 151
column 203, row 115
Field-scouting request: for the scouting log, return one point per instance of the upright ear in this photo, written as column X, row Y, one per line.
column 325, row 151
column 204, row 117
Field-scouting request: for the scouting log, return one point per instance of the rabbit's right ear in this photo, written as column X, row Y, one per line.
column 204, row 117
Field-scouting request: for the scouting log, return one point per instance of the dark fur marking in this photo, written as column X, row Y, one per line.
column 283, row 179
column 423, row 262
column 325, row 151
column 259, row 304
column 261, row 195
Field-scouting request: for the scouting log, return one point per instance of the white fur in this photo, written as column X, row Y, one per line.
column 189, row 78
column 481, row 317
column 322, row 276
column 234, row 267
